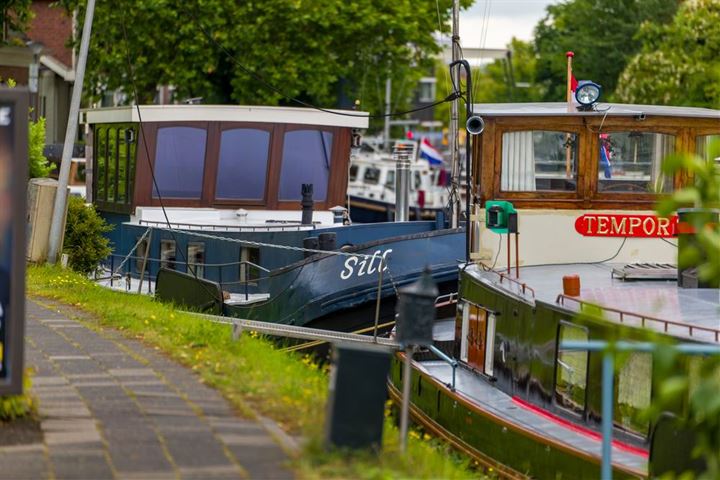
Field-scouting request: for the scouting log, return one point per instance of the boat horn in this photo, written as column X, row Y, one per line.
column 475, row 125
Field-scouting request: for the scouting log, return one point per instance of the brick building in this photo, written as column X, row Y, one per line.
column 44, row 44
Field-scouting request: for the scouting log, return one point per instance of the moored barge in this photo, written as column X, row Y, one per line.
column 566, row 194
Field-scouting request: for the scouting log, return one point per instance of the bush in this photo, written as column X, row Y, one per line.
column 84, row 240
column 38, row 165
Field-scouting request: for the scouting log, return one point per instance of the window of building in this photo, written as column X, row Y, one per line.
column 634, row 386
column 168, row 254
column 180, row 162
column 571, row 370
column 427, row 90
column 630, row 162
column 539, row 160
column 306, row 159
column 196, row 258
column 371, row 176
column 242, row 167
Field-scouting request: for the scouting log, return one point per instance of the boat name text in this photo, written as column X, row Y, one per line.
column 367, row 266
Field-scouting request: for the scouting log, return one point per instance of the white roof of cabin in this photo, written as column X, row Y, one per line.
column 611, row 109
column 226, row 113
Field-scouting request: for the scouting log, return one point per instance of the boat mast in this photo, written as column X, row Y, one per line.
column 453, row 130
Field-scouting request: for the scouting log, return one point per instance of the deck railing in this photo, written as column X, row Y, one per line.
column 446, row 300
column 645, row 320
column 274, row 226
column 505, row 277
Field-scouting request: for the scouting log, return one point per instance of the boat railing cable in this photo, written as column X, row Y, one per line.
column 644, row 320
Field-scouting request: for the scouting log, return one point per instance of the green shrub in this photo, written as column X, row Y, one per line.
column 84, row 240
column 18, row 406
column 38, row 165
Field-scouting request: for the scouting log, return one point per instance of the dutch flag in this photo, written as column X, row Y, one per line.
column 429, row 153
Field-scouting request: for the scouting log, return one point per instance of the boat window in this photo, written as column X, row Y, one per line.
column 630, row 162
column 100, row 164
column 390, row 180
column 417, row 180
column 633, row 392
column 353, row 172
column 372, row 176
column 196, row 258
column 702, row 147
column 539, row 160
column 179, row 162
column 571, row 370
column 251, row 255
column 168, row 254
column 306, row 159
column 242, row 167
column 490, row 345
column 114, row 158
column 140, row 252
column 111, row 160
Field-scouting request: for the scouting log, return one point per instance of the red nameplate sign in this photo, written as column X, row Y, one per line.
column 611, row 225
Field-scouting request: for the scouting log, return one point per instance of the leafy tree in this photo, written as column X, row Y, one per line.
column 493, row 82
column 602, row 35
column 216, row 49
column 679, row 63
column 16, row 17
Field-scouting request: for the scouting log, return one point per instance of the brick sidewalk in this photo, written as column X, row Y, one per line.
column 112, row 408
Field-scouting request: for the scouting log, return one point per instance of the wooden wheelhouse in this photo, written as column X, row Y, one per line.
column 554, row 164
column 559, row 151
column 223, row 157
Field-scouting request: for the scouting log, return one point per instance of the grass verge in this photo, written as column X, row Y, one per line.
column 253, row 376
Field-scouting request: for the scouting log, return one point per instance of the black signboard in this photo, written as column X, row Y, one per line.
column 13, row 180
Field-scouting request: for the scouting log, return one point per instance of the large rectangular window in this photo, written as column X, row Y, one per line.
column 306, row 159
column 539, row 161
column 242, row 167
column 180, row 162
column 630, row 162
